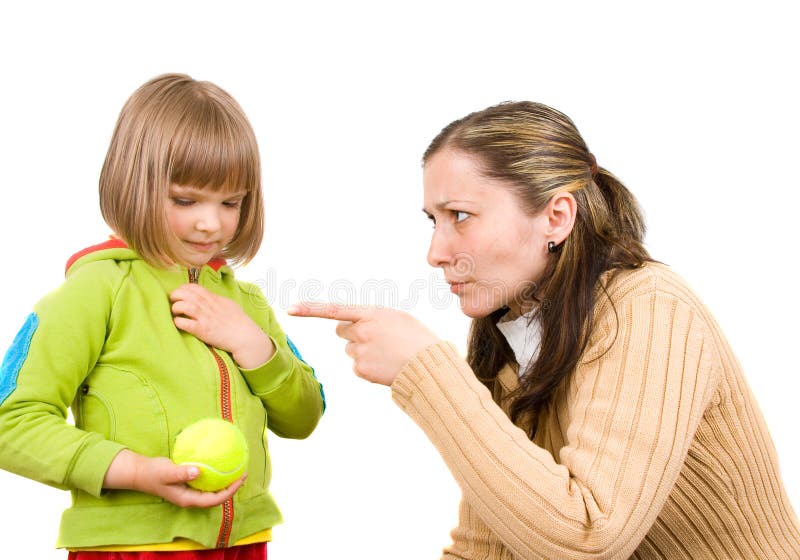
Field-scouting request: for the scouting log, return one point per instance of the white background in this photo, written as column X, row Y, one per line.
column 693, row 105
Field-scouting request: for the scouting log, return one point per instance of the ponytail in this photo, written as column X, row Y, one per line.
column 627, row 214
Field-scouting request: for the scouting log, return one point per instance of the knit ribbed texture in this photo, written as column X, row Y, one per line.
column 654, row 447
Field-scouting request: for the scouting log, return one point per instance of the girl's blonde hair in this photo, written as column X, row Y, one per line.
column 176, row 130
column 537, row 152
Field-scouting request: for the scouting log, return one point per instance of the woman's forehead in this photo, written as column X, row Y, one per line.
column 452, row 176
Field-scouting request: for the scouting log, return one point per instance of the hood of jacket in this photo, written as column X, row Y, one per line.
column 117, row 250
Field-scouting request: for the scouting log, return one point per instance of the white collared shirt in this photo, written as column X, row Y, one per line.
column 523, row 333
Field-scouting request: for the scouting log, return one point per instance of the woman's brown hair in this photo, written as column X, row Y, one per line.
column 176, row 130
column 538, row 152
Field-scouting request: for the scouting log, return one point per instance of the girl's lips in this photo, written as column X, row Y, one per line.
column 202, row 246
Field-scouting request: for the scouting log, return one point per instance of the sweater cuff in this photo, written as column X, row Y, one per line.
column 269, row 376
column 415, row 371
column 91, row 466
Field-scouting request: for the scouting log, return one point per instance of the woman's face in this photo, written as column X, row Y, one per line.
column 491, row 252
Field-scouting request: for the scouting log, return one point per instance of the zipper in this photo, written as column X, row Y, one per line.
column 227, row 414
column 225, row 526
column 224, row 385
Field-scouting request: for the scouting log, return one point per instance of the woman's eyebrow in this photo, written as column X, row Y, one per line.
column 443, row 205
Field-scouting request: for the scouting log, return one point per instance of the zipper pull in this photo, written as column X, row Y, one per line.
column 194, row 275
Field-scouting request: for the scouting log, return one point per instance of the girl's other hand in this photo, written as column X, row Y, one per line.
column 380, row 340
column 161, row 477
column 222, row 323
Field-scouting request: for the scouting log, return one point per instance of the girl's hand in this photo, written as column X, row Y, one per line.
column 161, row 477
column 380, row 340
column 222, row 323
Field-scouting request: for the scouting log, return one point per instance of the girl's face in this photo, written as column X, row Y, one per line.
column 491, row 251
column 203, row 221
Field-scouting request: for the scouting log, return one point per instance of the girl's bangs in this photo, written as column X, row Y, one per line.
column 214, row 150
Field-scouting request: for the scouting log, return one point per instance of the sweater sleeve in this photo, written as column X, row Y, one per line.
column 43, row 368
column 630, row 415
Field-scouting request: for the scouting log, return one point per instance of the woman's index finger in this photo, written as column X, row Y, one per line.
column 325, row 310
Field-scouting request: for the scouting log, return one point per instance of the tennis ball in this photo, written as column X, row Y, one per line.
column 217, row 448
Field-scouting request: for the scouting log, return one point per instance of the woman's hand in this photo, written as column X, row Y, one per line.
column 161, row 477
column 222, row 323
column 380, row 340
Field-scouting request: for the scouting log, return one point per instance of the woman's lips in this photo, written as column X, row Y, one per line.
column 457, row 287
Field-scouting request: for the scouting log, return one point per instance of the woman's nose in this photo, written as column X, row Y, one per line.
column 438, row 252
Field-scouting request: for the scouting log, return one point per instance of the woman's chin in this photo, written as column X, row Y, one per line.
column 478, row 312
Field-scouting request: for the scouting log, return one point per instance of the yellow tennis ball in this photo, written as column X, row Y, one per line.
column 217, row 448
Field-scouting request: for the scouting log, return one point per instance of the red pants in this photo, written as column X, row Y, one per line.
column 257, row 551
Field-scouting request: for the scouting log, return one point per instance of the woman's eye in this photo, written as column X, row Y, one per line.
column 461, row 216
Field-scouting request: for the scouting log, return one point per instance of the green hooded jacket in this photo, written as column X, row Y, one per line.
column 105, row 344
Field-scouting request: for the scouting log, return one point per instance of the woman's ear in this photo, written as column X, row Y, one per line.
column 560, row 212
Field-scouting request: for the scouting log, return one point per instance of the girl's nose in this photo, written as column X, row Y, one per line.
column 208, row 220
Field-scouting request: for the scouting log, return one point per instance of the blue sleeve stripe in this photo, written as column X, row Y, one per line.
column 296, row 352
column 15, row 357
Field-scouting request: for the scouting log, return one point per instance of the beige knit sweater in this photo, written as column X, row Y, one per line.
column 654, row 448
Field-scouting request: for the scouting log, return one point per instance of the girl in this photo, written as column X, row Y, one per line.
column 600, row 412
column 151, row 332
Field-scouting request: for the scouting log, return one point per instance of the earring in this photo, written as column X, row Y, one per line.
column 552, row 247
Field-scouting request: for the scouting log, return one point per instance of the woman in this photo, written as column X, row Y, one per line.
column 600, row 413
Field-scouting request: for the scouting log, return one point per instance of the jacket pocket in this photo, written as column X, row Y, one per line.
column 123, row 407
column 94, row 413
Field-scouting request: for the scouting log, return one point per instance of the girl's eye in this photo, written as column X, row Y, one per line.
column 460, row 216
column 232, row 203
column 182, row 201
